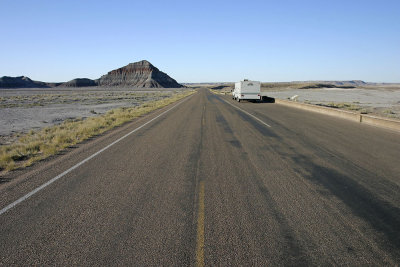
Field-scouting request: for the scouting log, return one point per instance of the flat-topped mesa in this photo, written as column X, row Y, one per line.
column 138, row 74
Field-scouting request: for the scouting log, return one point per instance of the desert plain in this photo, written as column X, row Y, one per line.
column 25, row 109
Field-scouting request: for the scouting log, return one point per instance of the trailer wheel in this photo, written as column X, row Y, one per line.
column 238, row 99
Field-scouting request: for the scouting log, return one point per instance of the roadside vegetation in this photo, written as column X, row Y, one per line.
column 40, row 144
column 342, row 105
column 346, row 106
column 86, row 98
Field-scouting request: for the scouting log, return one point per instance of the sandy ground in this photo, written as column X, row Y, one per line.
column 24, row 109
column 381, row 102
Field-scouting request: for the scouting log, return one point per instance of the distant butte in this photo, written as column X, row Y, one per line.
column 139, row 74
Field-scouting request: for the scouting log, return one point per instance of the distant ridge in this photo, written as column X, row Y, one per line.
column 138, row 74
column 80, row 82
column 21, row 82
column 337, row 83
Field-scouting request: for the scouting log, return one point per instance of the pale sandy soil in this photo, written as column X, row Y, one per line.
column 381, row 102
column 24, row 109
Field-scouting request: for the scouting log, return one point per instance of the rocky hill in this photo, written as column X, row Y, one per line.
column 21, row 82
column 139, row 74
column 79, row 82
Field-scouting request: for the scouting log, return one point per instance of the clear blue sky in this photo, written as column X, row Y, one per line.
column 203, row 41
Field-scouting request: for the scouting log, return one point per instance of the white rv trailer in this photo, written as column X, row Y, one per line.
column 247, row 90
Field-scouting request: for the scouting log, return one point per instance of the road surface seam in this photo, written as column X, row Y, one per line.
column 13, row 204
column 266, row 124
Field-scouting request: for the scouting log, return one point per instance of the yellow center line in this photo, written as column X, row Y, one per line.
column 200, row 228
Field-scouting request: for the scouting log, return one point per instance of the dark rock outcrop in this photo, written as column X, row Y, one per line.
column 79, row 82
column 140, row 74
column 21, row 82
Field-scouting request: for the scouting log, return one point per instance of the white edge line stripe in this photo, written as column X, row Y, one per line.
column 10, row 206
column 266, row 124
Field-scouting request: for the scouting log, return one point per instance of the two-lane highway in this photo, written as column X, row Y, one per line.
column 214, row 182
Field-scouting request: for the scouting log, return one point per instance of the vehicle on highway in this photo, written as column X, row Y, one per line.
column 250, row 90
column 247, row 90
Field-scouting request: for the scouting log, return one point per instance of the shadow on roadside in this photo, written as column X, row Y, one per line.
column 267, row 99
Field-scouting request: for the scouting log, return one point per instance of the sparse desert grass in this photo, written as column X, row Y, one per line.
column 343, row 105
column 347, row 106
column 37, row 145
column 87, row 98
column 389, row 111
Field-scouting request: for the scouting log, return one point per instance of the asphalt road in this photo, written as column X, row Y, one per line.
column 208, row 183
